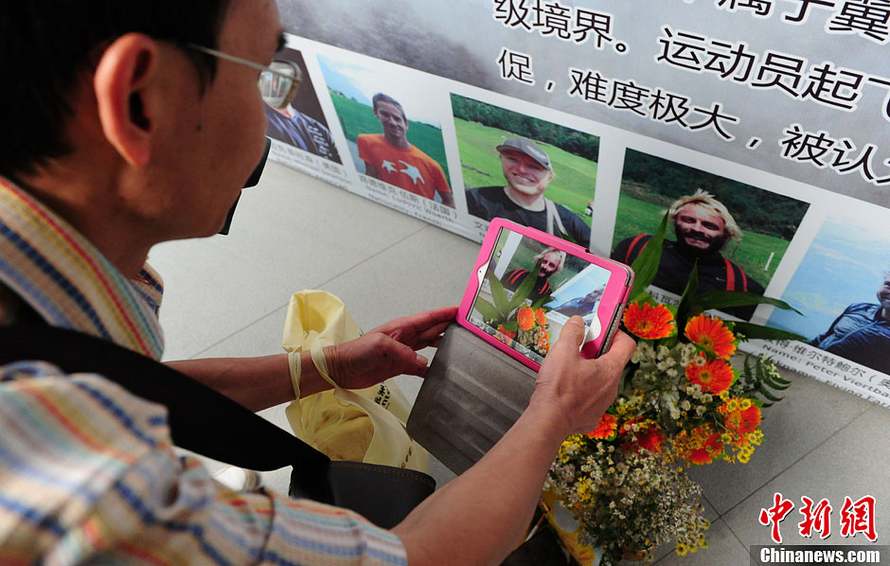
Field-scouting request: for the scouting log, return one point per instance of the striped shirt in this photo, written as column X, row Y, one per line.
column 87, row 470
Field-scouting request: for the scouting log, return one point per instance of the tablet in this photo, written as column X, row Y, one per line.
column 526, row 284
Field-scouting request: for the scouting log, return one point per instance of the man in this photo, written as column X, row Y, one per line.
column 391, row 158
column 142, row 129
column 289, row 125
column 528, row 172
column 547, row 263
column 580, row 306
column 862, row 331
column 703, row 227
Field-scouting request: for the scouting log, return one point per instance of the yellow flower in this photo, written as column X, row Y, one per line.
column 682, row 549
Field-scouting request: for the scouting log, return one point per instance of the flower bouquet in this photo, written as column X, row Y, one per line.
column 682, row 403
column 516, row 320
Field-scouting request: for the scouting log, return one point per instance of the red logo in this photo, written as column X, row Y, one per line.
column 856, row 517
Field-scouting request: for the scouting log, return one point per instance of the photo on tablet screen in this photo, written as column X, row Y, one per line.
column 530, row 290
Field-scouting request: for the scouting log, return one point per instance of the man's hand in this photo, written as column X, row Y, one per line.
column 388, row 350
column 576, row 390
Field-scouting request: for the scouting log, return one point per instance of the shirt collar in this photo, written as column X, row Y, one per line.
column 69, row 283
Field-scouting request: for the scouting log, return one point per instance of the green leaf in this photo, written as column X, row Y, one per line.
column 762, row 390
column 523, row 292
column 749, row 369
column 489, row 313
column 724, row 299
column 646, row 265
column 499, row 295
column 772, row 381
column 773, row 385
column 757, row 331
column 781, row 381
column 687, row 298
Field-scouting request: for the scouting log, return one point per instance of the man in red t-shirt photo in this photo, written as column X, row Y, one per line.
column 391, row 158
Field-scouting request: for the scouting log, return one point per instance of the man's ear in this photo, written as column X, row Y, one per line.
column 126, row 68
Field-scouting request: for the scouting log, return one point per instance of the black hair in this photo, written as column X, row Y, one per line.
column 380, row 97
column 45, row 45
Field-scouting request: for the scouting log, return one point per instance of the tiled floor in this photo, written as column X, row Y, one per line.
column 227, row 296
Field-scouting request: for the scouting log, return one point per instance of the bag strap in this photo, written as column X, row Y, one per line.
column 237, row 436
column 553, row 216
column 730, row 275
column 633, row 244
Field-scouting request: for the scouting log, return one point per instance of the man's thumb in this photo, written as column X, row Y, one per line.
column 572, row 333
column 409, row 361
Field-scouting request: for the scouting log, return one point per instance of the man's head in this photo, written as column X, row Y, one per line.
column 592, row 296
column 549, row 262
column 883, row 293
column 122, row 114
column 526, row 166
column 702, row 223
column 392, row 118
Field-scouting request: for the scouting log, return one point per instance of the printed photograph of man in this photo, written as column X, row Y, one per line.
column 736, row 233
column 842, row 287
column 525, row 169
column 294, row 114
column 393, row 134
column 547, row 264
column 581, row 306
column 703, row 227
column 391, row 158
column 527, row 174
column 862, row 331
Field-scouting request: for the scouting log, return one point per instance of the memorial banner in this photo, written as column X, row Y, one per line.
column 761, row 126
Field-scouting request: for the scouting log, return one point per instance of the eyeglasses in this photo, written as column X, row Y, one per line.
column 277, row 83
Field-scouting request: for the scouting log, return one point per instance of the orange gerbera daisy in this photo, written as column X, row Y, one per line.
column 649, row 322
column 651, row 439
column 714, row 377
column 743, row 421
column 711, row 334
column 648, row 435
column 541, row 317
column 607, row 429
column 704, row 445
column 706, row 453
column 525, row 318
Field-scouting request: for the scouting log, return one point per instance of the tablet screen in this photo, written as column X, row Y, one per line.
column 530, row 290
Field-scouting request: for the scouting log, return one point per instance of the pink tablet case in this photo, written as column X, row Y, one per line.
column 612, row 302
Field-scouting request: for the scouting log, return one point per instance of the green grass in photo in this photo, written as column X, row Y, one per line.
column 575, row 177
column 636, row 216
column 357, row 118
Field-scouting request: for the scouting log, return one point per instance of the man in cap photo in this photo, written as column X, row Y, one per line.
column 391, row 158
column 528, row 172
